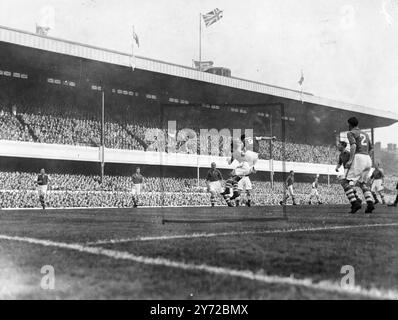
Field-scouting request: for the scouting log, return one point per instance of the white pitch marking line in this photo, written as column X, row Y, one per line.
column 242, row 233
column 245, row 274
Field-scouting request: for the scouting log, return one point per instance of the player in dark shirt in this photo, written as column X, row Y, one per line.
column 213, row 182
column 42, row 185
column 344, row 156
column 213, row 174
column 138, row 180
column 289, row 190
column 358, row 166
column 376, row 180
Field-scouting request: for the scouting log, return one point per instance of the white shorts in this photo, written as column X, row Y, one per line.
column 136, row 189
column 360, row 168
column 42, row 190
column 215, row 187
column 314, row 192
column 343, row 176
column 290, row 190
column 377, row 185
column 245, row 184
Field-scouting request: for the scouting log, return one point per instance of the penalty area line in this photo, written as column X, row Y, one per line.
column 238, row 233
column 326, row 286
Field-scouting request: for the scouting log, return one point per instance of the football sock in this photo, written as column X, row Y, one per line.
column 248, row 197
column 366, row 192
column 349, row 191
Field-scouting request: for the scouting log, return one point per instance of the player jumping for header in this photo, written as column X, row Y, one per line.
column 244, row 151
column 359, row 166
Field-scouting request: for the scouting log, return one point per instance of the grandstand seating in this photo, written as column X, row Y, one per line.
column 390, row 183
column 68, row 190
column 17, row 190
column 12, row 129
column 65, row 123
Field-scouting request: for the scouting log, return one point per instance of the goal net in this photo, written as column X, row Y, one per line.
column 196, row 137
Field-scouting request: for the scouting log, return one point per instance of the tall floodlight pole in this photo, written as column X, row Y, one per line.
column 198, row 172
column 372, row 132
column 282, row 110
column 102, row 135
column 271, row 153
column 200, row 42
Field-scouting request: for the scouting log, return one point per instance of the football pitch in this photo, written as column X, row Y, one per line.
column 199, row 253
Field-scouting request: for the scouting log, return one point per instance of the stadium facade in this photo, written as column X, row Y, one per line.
column 94, row 76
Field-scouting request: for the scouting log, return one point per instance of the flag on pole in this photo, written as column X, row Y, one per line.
column 137, row 41
column 212, row 17
column 301, row 81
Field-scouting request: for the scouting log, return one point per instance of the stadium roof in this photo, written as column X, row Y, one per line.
column 65, row 47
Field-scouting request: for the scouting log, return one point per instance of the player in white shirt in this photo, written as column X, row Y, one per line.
column 244, row 151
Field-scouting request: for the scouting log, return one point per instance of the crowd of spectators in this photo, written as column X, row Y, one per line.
column 390, row 184
column 20, row 181
column 12, row 129
column 295, row 152
column 60, row 120
column 17, row 189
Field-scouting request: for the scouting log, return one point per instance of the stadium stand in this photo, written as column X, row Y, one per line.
column 390, row 183
column 12, row 129
column 17, row 190
column 127, row 124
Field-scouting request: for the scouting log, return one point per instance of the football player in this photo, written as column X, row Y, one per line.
column 314, row 191
column 359, row 165
column 377, row 184
column 344, row 157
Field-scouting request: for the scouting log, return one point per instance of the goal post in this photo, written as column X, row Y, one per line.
column 197, row 136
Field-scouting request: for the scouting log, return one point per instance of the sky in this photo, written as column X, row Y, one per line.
column 347, row 49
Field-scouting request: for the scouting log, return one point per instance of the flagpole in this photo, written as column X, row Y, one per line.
column 302, row 98
column 200, row 42
column 301, row 86
column 132, row 51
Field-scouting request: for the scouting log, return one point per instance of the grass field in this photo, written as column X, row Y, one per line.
column 218, row 253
